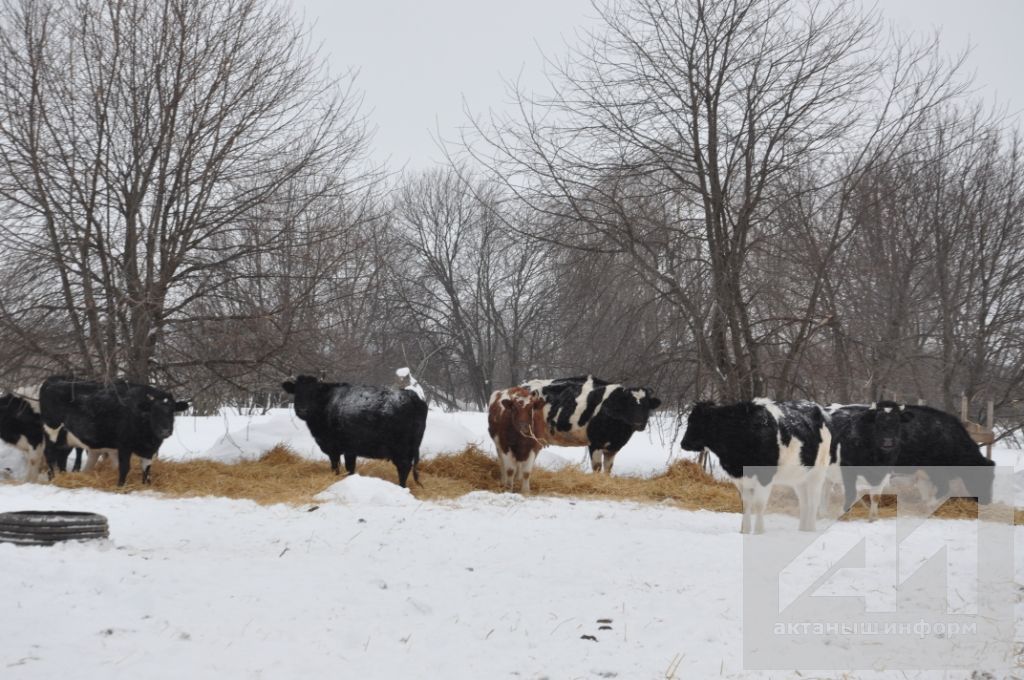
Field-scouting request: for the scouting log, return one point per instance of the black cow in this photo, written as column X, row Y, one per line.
column 938, row 439
column 789, row 443
column 361, row 420
column 116, row 417
column 866, row 441
column 588, row 411
column 21, row 427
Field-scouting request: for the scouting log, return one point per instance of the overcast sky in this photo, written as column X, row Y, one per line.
column 418, row 61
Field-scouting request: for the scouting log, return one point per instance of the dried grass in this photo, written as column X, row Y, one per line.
column 281, row 476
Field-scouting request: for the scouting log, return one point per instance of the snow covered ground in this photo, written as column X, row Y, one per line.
column 375, row 584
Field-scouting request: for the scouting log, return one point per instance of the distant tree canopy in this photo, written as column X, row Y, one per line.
column 716, row 198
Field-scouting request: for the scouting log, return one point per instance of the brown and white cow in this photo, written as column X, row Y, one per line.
column 515, row 421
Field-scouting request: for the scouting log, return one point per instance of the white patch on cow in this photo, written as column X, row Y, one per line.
column 806, row 482
column 74, row 441
column 888, row 409
column 52, row 432
column 146, row 462
column 581, row 402
column 771, row 407
column 638, row 395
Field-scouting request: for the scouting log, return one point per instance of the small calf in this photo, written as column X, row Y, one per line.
column 515, row 421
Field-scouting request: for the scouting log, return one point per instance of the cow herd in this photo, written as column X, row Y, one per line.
column 116, row 418
column 759, row 443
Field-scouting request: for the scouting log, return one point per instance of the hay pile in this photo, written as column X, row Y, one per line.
column 281, row 476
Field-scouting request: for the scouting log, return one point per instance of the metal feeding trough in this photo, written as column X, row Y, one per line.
column 46, row 527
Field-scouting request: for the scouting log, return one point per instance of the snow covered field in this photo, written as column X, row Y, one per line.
column 376, row 584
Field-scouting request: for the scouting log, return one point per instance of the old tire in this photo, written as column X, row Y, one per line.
column 46, row 527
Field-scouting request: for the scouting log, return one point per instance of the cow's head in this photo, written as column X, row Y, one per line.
column 160, row 408
column 631, row 405
column 884, row 419
column 309, row 393
column 698, row 426
column 528, row 415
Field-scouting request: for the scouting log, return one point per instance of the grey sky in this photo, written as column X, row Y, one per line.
column 419, row 60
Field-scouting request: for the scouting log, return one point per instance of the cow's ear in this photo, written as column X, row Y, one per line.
column 906, row 416
column 288, row 386
column 653, row 403
column 181, row 406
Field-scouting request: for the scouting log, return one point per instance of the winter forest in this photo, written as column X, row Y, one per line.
column 715, row 198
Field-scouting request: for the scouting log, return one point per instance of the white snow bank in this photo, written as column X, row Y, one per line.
column 358, row 490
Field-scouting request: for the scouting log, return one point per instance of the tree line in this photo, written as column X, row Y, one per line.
column 714, row 198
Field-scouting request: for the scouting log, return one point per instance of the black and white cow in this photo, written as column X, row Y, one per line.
column 788, row 442
column 866, row 442
column 938, row 440
column 22, row 428
column 361, row 420
column 588, row 411
column 118, row 417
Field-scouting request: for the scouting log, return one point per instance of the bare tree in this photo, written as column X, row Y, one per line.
column 140, row 143
column 708, row 107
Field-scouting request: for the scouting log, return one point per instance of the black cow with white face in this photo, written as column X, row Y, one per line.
column 588, row 411
column 117, row 417
column 22, row 428
column 348, row 421
column 866, row 441
column 763, row 442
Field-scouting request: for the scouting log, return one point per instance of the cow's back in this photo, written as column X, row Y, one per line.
column 374, row 419
column 934, row 437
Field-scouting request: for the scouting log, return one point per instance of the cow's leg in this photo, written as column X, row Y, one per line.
column 50, row 455
column 746, row 489
column 811, row 497
column 926, row 489
column 146, row 464
column 849, row 488
column 525, row 468
column 36, row 463
column 609, row 460
column 801, row 499
column 335, row 459
column 404, row 467
column 124, row 463
column 761, row 496
column 56, row 458
column 507, row 465
column 78, row 460
column 350, row 463
column 595, row 459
